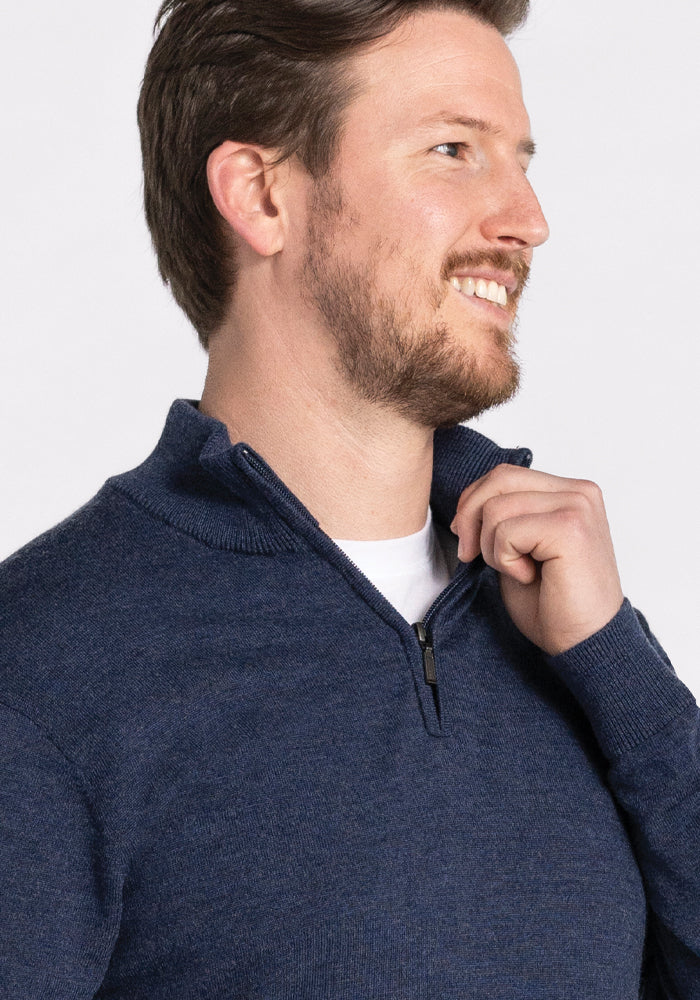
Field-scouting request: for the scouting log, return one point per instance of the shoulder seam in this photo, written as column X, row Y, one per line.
column 73, row 766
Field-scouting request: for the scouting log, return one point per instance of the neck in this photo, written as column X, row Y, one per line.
column 362, row 471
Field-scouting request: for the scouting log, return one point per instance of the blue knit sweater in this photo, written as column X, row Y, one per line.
column 224, row 774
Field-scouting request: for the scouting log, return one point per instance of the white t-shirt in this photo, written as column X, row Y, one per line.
column 410, row 571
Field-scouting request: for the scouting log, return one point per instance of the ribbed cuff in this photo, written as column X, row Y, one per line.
column 624, row 686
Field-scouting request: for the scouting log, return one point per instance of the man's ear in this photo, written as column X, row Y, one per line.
column 244, row 181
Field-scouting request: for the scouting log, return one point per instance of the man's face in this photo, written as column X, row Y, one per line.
column 421, row 235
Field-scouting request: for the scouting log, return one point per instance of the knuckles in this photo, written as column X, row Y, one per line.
column 590, row 490
column 574, row 523
column 499, row 494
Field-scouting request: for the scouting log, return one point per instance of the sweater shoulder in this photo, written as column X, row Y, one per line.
column 46, row 571
column 103, row 616
column 66, row 599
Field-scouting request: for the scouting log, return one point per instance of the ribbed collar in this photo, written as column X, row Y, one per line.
column 225, row 495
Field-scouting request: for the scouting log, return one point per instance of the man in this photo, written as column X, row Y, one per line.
column 267, row 731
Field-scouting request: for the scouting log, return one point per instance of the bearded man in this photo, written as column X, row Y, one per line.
column 332, row 696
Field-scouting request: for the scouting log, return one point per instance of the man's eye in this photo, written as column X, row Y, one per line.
column 452, row 149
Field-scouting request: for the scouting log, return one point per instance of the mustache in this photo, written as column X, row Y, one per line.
column 500, row 260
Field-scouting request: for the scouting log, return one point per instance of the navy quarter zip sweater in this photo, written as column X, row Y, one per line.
column 225, row 777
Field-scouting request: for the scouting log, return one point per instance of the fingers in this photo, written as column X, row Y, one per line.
column 548, row 539
column 515, row 479
column 516, row 517
column 516, row 545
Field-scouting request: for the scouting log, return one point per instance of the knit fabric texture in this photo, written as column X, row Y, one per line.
column 224, row 776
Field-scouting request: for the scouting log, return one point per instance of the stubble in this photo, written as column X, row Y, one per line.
column 425, row 372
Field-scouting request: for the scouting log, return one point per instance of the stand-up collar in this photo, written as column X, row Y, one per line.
column 224, row 494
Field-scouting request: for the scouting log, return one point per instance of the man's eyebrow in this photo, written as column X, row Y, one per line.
column 526, row 146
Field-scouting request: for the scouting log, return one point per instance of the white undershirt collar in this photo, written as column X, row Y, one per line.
column 410, row 571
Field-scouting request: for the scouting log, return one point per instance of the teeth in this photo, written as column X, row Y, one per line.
column 490, row 290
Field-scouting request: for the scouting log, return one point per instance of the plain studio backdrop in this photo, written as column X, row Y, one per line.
column 93, row 349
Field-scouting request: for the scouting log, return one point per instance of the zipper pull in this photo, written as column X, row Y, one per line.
column 428, row 654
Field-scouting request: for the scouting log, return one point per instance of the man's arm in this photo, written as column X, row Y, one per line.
column 548, row 538
column 59, row 908
column 648, row 725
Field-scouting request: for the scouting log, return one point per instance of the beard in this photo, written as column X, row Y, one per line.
column 421, row 371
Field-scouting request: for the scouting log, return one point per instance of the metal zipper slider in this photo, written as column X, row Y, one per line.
column 428, row 654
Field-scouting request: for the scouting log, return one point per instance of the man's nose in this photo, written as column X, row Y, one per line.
column 514, row 219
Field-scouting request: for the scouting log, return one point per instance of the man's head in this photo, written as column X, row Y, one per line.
column 420, row 237
column 274, row 73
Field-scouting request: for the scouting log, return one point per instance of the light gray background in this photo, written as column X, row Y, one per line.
column 93, row 350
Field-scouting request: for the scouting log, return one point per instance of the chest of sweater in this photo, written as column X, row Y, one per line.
column 311, row 821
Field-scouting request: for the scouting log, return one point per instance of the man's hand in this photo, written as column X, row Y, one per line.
column 549, row 540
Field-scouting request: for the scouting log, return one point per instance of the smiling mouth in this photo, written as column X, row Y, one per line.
column 482, row 289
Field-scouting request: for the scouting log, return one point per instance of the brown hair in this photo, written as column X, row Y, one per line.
column 268, row 72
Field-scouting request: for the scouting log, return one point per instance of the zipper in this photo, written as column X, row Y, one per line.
column 425, row 644
column 421, row 629
column 266, row 473
column 429, row 668
column 423, row 635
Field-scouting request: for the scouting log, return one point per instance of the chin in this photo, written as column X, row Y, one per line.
column 440, row 400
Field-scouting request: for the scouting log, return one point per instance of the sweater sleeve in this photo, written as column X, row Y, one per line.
column 648, row 727
column 58, row 910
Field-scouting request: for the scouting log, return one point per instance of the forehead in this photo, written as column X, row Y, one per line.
column 437, row 62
